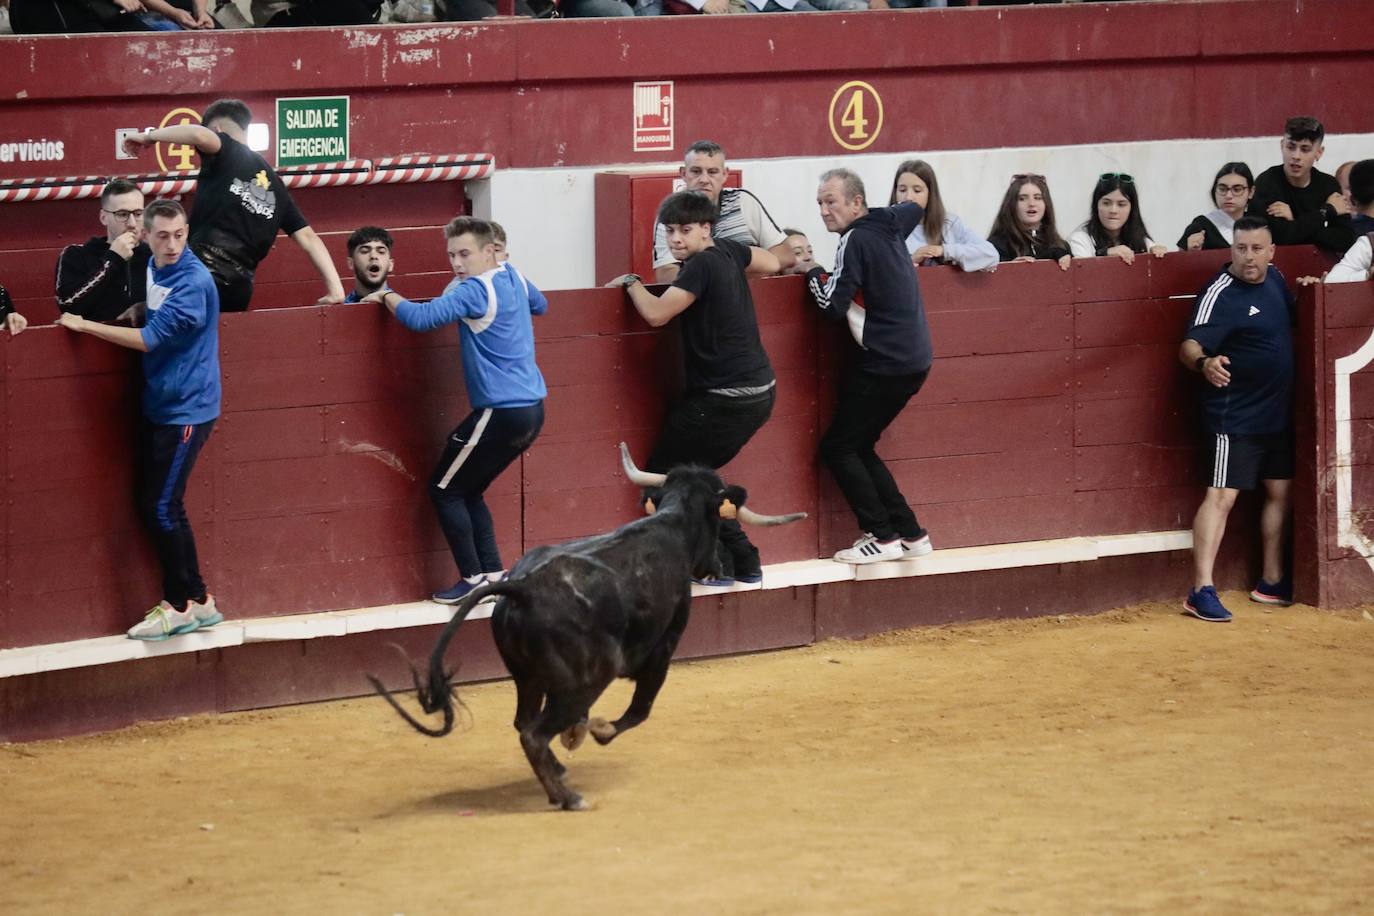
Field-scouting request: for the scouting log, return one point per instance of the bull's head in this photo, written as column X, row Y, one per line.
column 699, row 490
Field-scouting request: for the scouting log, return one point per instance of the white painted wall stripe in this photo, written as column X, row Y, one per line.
column 108, row 650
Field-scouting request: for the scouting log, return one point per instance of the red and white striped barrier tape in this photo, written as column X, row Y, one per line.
column 391, row 170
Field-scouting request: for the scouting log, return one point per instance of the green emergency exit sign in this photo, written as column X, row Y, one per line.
column 312, row 130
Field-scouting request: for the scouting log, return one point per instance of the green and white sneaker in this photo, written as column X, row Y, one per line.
column 207, row 614
column 164, row 622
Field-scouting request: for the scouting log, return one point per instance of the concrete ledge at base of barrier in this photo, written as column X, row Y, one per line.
column 105, row 650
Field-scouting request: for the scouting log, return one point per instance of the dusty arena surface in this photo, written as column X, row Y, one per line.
column 1134, row 762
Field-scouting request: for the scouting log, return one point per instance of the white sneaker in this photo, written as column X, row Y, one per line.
column 164, row 622
column 868, row 549
column 207, row 614
column 916, row 547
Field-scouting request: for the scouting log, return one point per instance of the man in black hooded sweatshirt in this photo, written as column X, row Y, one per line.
column 873, row 288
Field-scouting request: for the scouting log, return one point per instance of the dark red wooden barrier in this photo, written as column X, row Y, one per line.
column 1055, row 409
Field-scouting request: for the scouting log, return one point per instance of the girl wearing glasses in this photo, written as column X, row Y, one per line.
column 940, row 237
column 1115, row 227
column 1231, row 192
column 1024, row 229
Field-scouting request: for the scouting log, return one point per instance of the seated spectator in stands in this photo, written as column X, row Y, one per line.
column 12, row 320
column 104, row 278
column 1024, row 229
column 177, row 15
column 805, row 258
column 286, row 13
column 713, row 7
column 1231, row 192
column 940, row 237
column 742, row 218
column 240, row 203
column 474, row 10
column 1304, row 206
column 1343, row 177
column 1358, row 263
column 48, row 17
column 1115, row 227
column 1360, row 189
column 369, row 254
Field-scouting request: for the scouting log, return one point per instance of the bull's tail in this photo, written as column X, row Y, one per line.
column 438, row 694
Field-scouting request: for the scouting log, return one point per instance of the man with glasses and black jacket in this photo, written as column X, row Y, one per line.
column 101, row 279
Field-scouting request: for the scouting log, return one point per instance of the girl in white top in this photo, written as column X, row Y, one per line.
column 1115, row 228
column 940, row 238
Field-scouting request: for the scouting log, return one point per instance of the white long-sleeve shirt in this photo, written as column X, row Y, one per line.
column 1081, row 244
column 1354, row 267
column 963, row 246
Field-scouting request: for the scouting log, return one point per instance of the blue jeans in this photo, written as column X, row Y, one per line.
column 477, row 451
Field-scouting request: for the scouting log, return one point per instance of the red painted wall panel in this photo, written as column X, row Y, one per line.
column 310, row 495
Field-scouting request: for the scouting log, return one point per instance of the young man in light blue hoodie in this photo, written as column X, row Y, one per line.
column 491, row 303
column 181, row 400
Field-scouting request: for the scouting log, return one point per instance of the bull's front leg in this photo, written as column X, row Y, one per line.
column 648, row 682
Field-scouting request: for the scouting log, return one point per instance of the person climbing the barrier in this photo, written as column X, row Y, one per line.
column 240, row 203
column 730, row 386
column 872, row 267
column 1240, row 340
column 492, row 304
column 181, row 401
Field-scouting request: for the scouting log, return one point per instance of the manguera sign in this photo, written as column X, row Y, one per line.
column 312, row 130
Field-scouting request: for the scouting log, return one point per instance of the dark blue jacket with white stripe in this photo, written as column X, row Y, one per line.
column 873, row 287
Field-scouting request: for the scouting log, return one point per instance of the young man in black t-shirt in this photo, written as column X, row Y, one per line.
column 240, row 204
column 730, row 384
column 1240, row 341
column 1303, row 205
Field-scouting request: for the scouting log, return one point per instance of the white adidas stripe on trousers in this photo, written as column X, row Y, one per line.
column 1221, row 459
column 466, row 450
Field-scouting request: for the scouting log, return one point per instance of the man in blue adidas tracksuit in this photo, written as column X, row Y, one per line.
column 181, row 399
column 1240, row 341
column 873, row 289
column 491, row 303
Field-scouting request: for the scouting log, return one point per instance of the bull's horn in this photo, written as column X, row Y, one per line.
column 750, row 517
column 637, row 477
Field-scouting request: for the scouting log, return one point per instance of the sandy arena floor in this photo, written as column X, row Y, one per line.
column 1134, row 762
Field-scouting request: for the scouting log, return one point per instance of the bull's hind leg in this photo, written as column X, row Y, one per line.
column 560, row 713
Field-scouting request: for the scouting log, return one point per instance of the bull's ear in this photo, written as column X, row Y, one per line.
column 731, row 498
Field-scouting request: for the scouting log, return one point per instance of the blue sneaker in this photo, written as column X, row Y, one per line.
column 1204, row 604
column 717, row 581
column 1278, row 593
column 749, row 578
column 458, row 591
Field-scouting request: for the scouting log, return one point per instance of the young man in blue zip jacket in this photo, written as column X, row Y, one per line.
column 873, row 288
column 181, row 400
column 491, row 303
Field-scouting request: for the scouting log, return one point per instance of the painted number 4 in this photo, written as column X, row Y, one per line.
column 856, row 115
column 853, row 117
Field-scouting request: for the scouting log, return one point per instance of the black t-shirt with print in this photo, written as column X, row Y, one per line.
column 720, row 332
column 240, row 204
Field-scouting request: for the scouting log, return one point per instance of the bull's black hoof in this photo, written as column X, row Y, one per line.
column 575, row 802
column 601, row 730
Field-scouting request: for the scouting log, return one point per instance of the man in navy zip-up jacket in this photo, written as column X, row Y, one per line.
column 873, row 288
column 491, row 303
column 181, row 401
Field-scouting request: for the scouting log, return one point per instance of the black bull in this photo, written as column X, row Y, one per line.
column 572, row 618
